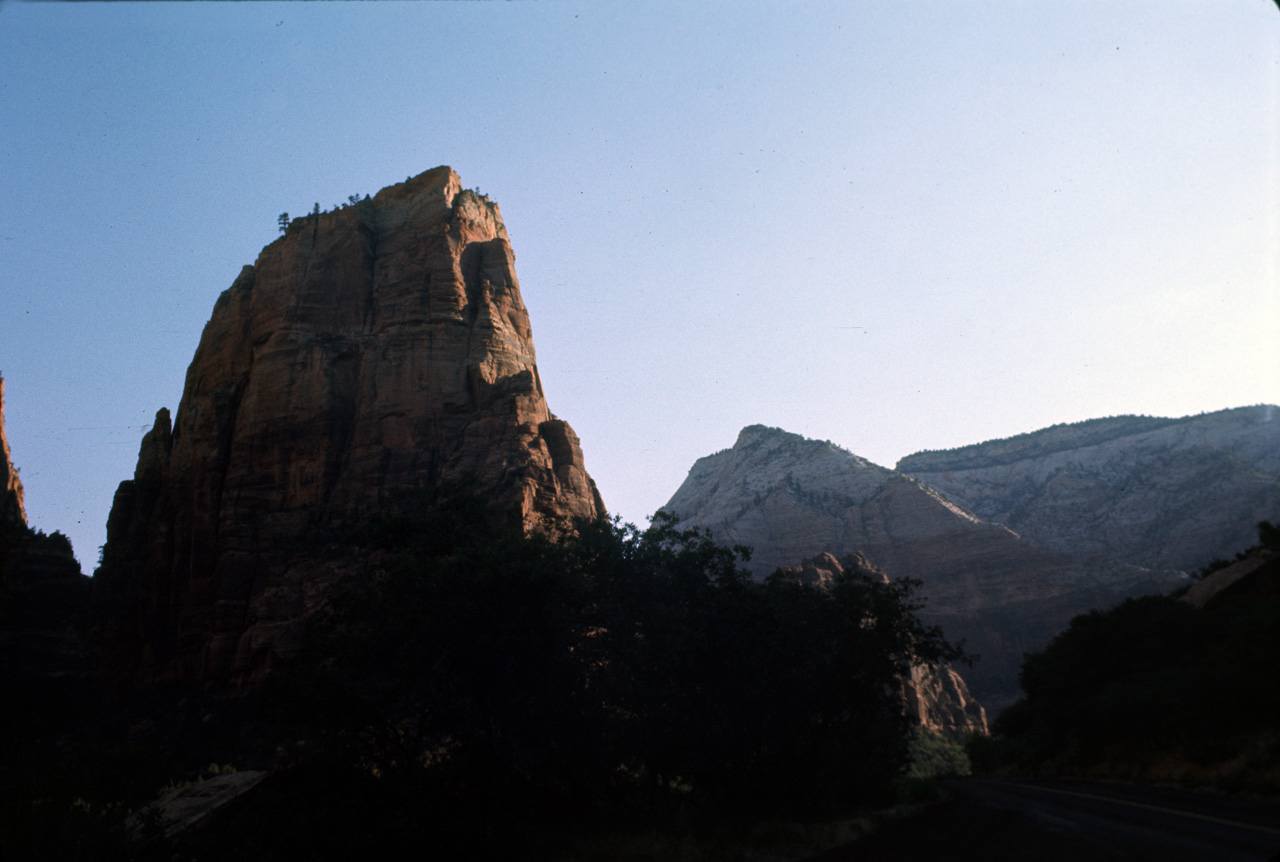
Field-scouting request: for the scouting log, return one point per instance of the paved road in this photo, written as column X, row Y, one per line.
column 1139, row 822
column 1066, row 821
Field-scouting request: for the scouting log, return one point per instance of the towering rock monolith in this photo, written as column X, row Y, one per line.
column 369, row 355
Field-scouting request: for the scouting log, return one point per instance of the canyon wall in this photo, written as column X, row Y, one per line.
column 47, row 670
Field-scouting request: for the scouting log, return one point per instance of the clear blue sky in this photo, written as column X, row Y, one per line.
column 892, row 225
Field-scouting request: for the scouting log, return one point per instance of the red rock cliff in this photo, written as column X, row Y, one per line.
column 11, row 508
column 370, row 353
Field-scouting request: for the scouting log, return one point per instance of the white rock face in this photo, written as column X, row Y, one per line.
column 790, row 498
column 1161, row 493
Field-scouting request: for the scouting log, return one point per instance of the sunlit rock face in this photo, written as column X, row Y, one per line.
column 12, row 512
column 790, row 498
column 1161, row 493
column 939, row 700
column 369, row 355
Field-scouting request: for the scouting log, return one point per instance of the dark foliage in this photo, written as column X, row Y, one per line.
column 1152, row 678
column 490, row 694
column 1268, row 537
column 607, row 673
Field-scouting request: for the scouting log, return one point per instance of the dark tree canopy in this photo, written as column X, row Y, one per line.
column 609, row 667
column 1156, row 680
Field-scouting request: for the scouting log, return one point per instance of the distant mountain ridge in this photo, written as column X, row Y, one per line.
column 1045, row 441
column 1162, row 493
column 791, row 498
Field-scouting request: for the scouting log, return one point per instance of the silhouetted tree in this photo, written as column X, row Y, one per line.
column 607, row 665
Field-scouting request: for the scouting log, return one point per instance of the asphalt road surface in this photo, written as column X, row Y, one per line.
column 1064, row 821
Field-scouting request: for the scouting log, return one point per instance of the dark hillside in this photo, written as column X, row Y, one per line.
column 1158, row 689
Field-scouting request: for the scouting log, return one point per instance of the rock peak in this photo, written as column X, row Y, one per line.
column 755, row 433
column 370, row 354
column 792, row 499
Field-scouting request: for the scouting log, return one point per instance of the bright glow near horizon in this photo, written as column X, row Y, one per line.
column 893, row 226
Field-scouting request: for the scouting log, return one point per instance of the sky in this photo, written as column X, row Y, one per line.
column 895, row 226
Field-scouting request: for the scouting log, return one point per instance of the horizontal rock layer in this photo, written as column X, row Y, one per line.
column 369, row 355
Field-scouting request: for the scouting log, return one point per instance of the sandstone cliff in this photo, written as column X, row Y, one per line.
column 46, row 671
column 790, row 498
column 370, row 354
column 1162, row 493
column 46, row 675
column 11, row 508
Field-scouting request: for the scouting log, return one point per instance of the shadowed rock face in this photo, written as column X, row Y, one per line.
column 46, row 670
column 790, row 498
column 1163, row 493
column 370, row 354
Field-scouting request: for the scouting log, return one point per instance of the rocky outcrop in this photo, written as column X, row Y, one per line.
column 1161, row 493
column 821, row 571
column 46, row 671
column 938, row 699
column 369, row 355
column 188, row 808
column 936, row 696
column 13, row 517
column 1254, row 576
column 12, row 511
column 790, row 498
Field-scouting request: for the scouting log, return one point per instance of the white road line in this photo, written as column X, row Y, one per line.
column 1221, row 820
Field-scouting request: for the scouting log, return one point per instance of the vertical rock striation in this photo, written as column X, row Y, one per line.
column 369, row 354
